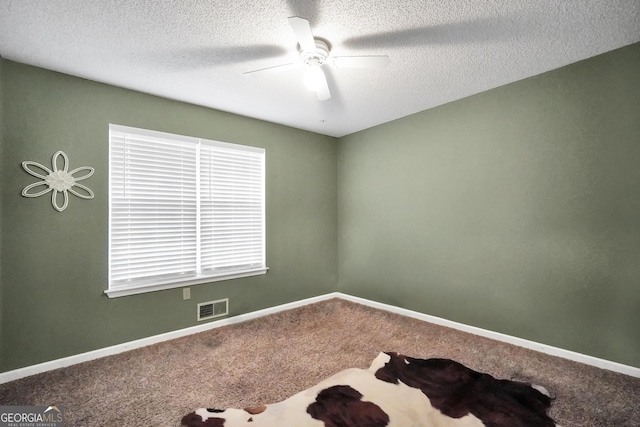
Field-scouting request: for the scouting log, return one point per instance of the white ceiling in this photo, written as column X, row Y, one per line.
column 197, row 51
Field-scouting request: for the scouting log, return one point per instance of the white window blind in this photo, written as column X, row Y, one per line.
column 183, row 210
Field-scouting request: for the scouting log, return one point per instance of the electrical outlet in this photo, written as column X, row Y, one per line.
column 186, row 293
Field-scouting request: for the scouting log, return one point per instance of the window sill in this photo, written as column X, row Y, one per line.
column 142, row 289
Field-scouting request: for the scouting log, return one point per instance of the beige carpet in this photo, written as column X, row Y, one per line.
column 269, row 359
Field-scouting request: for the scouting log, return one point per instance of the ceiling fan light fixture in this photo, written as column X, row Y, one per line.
column 313, row 78
column 314, row 52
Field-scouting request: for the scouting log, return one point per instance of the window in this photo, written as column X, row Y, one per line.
column 182, row 211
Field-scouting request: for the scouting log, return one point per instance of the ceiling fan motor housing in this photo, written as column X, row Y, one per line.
column 318, row 56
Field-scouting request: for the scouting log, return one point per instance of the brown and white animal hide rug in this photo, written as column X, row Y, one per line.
column 396, row 391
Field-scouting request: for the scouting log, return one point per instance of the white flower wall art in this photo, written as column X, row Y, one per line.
column 60, row 182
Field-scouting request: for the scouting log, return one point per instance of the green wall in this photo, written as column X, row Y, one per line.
column 516, row 210
column 2, row 190
column 54, row 265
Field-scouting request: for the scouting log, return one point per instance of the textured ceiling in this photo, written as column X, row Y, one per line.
column 197, row 51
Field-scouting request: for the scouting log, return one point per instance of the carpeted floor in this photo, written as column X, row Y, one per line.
column 268, row 359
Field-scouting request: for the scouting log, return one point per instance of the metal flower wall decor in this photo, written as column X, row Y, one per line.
column 59, row 181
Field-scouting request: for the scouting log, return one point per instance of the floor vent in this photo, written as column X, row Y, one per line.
column 211, row 309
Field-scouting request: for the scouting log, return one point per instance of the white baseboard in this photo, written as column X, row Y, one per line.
column 520, row 342
column 131, row 345
column 120, row 348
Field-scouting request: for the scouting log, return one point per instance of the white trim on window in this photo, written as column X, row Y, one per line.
column 182, row 211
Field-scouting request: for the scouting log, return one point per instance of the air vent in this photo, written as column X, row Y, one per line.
column 211, row 309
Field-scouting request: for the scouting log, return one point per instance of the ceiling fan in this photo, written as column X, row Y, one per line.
column 314, row 53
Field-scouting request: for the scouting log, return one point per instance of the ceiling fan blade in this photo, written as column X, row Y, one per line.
column 372, row 61
column 323, row 92
column 302, row 31
column 268, row 70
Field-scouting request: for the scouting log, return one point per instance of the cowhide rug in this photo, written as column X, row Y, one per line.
column 397, row 391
